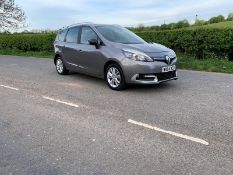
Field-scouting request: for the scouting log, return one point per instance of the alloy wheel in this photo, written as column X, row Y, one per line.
column 113, row 77
column 60, row 66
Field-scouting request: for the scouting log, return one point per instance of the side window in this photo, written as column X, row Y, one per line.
column 87, row 34
column 72, row 35
column 62, row 35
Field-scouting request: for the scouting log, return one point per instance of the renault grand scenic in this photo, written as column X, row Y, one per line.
column 113, row 53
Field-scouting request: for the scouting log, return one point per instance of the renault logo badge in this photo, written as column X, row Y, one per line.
column 168, row 59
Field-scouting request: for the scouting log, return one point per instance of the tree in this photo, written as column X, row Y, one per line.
column 230, row 17
column 199, row 22
column 171, row 26
column 11, row 15
column 141, row 27
column 217, row 19
column 155, row 28
column 182, row 24
column 164, row 27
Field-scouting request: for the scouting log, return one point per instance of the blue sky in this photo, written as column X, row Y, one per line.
column 54, row 14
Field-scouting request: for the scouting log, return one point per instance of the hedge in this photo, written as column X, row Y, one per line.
column 27, row 42
column 198, row 42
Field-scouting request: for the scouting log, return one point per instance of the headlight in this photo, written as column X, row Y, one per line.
column 136, row 55
column 172, row 54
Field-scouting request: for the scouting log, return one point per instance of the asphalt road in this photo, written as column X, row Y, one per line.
column 74, row 124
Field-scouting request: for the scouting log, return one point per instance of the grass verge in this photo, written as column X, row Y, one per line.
column 207, row 64
column 185, row 61
column 27, row 53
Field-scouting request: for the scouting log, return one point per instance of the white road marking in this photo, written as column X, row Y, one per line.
column 62, row 102
column 169, row 132
column 8, row 87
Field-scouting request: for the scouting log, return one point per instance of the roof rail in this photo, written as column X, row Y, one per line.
column 75, row 25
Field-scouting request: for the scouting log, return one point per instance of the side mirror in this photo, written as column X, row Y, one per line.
column 94, row 42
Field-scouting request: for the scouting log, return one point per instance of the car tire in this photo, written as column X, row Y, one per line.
column 114, row 77
column 60, row 67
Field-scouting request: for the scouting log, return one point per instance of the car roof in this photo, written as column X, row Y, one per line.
column 84, row 23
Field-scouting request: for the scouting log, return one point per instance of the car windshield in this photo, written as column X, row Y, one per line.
column 119, row 34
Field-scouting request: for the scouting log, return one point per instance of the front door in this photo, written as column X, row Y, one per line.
column 91, row 59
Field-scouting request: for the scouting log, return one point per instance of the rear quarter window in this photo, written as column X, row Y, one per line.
column 61, row 35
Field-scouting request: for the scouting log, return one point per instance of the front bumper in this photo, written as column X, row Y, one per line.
column 154, row 78
column 147, row 72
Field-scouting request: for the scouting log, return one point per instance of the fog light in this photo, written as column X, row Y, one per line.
column 149, row 76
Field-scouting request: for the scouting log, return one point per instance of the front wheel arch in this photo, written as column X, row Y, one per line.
column 122, row 84
column 65, row 70
column 108, row 64
column 56, row 57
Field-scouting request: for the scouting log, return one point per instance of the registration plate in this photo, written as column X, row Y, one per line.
column 169, row 68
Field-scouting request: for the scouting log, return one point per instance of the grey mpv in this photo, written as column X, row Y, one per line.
column 113, row 53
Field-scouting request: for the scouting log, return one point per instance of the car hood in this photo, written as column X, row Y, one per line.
column 151, row 49
column 148, row 47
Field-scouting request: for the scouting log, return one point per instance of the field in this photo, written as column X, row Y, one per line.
column 221, row 25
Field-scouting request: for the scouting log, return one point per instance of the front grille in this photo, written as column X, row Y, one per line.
column 163, row 59
column 166, row 75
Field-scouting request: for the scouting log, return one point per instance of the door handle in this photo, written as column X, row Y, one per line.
column 80, row 50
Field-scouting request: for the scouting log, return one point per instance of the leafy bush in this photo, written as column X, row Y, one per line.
column 199, row 42
column 27, row 42
column 203, row 42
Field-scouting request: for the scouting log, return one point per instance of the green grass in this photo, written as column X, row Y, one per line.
column 44, row 54
column 207, row 64
column 221, row 25
column 185, row 61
